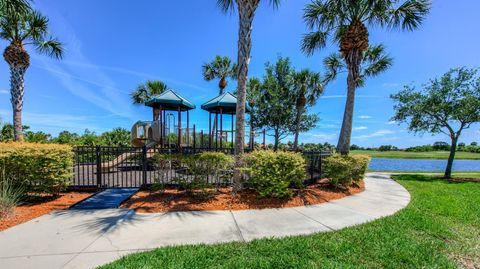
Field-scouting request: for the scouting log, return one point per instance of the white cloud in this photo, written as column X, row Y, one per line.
column 391, row 122
column 318, row 137
column 360, row 128
column 364, row 117
column 379, row 133
column 4, row 92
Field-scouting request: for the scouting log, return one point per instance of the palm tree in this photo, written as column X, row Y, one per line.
column 246, row 13
column 29, row 28
column 145, row 91
column 307, row 88
column 253, row 95
column 346, row 22
column 220, row 68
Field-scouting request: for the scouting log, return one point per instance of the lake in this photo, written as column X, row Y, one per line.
column 422, row 165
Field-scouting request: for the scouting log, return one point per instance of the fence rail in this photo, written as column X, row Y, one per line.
column 132, row 167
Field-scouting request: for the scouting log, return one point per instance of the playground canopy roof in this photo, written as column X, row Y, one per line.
column 170, row 100
column 227, row 102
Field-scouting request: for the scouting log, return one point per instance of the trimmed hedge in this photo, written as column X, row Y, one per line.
column 36, row 167
column 273, row 173
column 344, row 170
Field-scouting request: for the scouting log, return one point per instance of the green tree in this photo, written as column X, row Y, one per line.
column 66, row 137
column 7, row 133
column 118, row 137
column 253, row 97
column 37, row 137
column 307, row 88
column 89, row 138
column 30, row 28
column 220, row 68
column 276, row 109
column 447, row 105
column 145, row 91
column 246, row 14
column 345, row 22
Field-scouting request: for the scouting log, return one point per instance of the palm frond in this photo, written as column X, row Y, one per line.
column 226, row 5
column 14, row 7
column 375, row 61
column 313, row 41
column 334, row 64
column 52, row 47
column 36, row 26
column 409, row 15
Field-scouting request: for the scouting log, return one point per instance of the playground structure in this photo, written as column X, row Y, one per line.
column 167, row 130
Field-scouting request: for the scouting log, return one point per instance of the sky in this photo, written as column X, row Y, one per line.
column 111, row 46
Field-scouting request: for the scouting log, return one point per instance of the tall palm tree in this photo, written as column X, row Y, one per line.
column 253, row 95
column 220, row 68
column 246, row 14
column 307, row 87
column 14, row 7
column 346, row 22
column 21, row 30
column 145, row 91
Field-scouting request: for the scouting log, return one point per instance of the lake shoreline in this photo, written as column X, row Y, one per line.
column 433, row 155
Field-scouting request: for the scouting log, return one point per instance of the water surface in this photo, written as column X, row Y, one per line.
column 421, row 165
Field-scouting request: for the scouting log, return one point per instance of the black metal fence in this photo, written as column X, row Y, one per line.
column 133, row 167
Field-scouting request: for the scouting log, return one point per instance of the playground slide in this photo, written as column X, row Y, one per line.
column 107, row 166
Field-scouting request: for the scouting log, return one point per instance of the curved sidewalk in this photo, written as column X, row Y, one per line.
column 89, row 238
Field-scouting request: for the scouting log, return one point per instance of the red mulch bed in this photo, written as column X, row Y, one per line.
column 175, row 200
column 39, row 205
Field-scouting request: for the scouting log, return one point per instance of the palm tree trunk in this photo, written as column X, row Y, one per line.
column 353, row 59
column 17, row 90
column 297, row 126
column 451, row 157
column 252, row 133
column 246, row 11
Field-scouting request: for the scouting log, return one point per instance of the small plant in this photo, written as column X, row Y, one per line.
column 273, row 173
column 10, row 196
column 344, row 170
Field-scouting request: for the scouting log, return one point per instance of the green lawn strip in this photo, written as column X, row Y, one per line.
column 439, row 229
column 455, row 175
column 417, row 155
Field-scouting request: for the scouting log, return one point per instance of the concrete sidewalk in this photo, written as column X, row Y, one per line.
column 89, row 238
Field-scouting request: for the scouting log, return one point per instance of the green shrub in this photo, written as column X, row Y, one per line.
column 42, row 168
column 344, row 170
column 273, row 173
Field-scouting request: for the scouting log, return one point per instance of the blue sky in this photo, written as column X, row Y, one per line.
column 112, row 46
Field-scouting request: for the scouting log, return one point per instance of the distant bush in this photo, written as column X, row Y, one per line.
column 387, row 148
column 36, row 167
column 473, row 149
column 273, row 173
column 344, row 170
column 424, row 148
column 440, row 145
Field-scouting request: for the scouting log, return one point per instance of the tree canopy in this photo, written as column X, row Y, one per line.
column 446, row 105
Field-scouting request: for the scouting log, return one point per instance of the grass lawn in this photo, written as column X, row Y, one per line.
column 418, row 155
column 440, row 228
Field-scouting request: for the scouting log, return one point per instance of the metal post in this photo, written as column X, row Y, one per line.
column 144, row 165
column 161, row 128
column 194, row 135
column 221, row 127
column 99, row 166
column 209, row 130
column 216, row 130
column 231, row 135
column 188, row 128
column 179, row 128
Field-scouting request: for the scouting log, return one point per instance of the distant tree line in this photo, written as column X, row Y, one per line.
column 115, row 137
column 437, row 146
